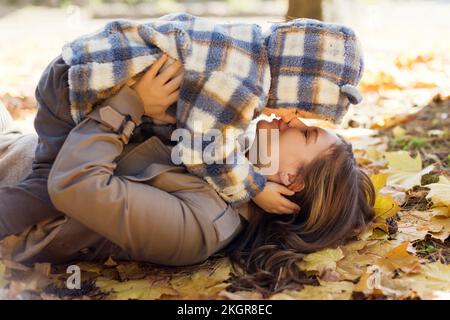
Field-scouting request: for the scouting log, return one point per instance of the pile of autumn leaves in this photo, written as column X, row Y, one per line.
column 386, row 261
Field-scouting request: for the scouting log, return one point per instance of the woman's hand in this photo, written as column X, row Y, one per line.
column 271, row 199
column 159, row 91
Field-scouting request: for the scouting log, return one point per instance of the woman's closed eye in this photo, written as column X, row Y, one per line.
column 308, row 134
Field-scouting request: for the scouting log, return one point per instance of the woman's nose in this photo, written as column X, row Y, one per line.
column 297, row 123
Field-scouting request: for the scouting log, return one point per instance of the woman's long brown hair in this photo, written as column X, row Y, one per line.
column 336, row 203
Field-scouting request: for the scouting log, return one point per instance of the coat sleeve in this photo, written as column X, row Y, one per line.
column 53, row 123
column 203, row 111
column 148, row 223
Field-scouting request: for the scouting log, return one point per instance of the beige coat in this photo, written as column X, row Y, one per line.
column 127, row 201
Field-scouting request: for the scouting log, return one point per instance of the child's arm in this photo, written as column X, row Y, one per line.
column 235, row 183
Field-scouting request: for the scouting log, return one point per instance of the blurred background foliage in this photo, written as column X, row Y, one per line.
column 153, row 8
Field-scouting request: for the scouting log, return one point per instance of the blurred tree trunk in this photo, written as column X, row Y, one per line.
column 304, row 9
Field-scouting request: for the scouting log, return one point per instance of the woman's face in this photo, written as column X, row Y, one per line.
column 299, row 145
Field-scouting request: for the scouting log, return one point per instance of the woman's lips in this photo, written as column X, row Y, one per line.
column 277, row 123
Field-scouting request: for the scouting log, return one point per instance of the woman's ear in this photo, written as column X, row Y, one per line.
column 297, row 183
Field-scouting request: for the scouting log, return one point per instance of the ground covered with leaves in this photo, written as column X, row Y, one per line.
column 400, row 136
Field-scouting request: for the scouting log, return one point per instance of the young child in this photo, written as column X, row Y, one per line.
column 232, row 73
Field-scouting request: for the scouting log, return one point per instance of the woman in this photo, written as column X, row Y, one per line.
column 129, row 201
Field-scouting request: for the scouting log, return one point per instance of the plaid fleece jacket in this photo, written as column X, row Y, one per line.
column 226, row 82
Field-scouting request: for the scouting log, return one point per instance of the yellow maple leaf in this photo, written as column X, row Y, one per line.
column 432, row 281
column 379, row 180
column 340, row 290
column 440, row 192
column 385, row 206
column 144, row 289
column 404, row 170
column 399, row 258
column 3, row 281
column 321, row 260
column 401, row 160
column 203, row 283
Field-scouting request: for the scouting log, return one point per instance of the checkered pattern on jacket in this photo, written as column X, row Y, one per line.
column 226, row 79
column 315, row 67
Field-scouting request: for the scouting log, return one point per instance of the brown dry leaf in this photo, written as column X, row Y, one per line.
column 399, row 259
column 379, row 249
column 321, row 260
column 354, row 265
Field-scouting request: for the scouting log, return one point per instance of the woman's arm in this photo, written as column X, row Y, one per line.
column 149, row 223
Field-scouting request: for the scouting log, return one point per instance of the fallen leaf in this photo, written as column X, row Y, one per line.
column 130, row 271
column 110, row 262
column 3, row 281
column 204, row 283
column 440, row 192
column 379, row 181
column 144, row 289
column 354, row 265
column 399, row 259
column 404, row 170
column 321, row 260
column 385, row 206
column 432, row 281
column 341, row 290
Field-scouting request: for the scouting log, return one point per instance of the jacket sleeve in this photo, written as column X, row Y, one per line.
column 205, row 113
column 52, row 123
column 149, row 223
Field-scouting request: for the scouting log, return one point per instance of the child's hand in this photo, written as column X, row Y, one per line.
column 271, row 199
column 159, row 91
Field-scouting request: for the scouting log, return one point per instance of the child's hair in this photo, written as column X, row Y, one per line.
column 336, row 204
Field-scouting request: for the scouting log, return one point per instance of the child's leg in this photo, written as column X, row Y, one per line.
column 6, row 120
